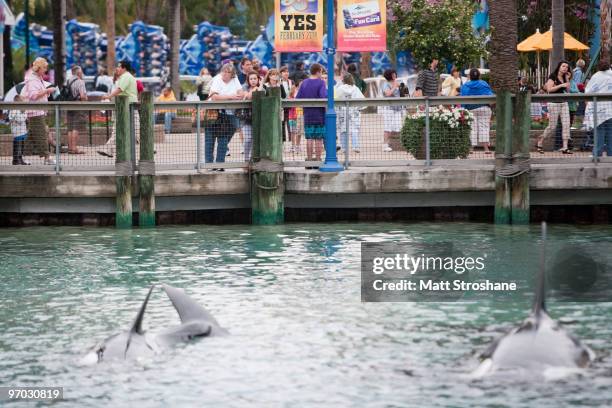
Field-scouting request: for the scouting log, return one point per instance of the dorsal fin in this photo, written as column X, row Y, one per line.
column 187, row 308
column 539, row 301
column 137, row 325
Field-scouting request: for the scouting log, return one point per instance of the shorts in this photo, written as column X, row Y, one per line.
column 314, row 132
column 292, row 125
column 20, row 138
column 392, row 120
column 77, row 120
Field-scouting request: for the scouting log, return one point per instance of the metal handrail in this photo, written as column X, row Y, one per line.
column 315, row 103
column 50, row 106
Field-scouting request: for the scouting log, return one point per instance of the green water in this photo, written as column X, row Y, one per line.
column 290, row 297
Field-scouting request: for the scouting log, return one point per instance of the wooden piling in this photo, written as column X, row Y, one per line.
column 146, row 165
column 503, row 151
column 123, row 164
column 520, row 151
column 267, row 183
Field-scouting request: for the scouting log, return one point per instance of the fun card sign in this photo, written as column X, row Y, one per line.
column 362, row 25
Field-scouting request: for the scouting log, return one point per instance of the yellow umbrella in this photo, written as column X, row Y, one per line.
column 527, row 45
column 570, row 43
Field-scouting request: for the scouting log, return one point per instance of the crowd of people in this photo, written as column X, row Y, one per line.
column 238, row 82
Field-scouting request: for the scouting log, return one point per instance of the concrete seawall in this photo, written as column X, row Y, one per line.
column 576, row 192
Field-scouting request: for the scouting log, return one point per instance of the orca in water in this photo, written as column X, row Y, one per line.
column 539, row 343
column 135, row 342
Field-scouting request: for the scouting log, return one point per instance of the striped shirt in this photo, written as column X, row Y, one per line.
column 427, row 81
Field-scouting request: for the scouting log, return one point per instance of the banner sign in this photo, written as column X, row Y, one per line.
column 362, row 25
column 298, row 25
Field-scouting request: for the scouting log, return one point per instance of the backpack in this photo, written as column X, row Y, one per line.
column 100, row 87
column 66, row 93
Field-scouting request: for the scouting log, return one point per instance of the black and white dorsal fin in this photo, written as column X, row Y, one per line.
column 137, row 325
column 539, row 301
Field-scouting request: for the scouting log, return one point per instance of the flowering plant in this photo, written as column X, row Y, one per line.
column 449, row 132
column 453, row 117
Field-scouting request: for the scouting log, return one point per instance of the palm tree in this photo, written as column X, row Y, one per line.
column 504, row 57
column 59, row 40
column 558, row 28
column 70, row 10
column 8, row 56
column 110, row 36
column 175, row 42
column 606, row 21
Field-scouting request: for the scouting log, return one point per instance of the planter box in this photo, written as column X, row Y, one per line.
column 396, row 144
column 182, row 124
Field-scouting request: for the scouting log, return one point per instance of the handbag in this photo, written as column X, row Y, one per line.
column 244, row 114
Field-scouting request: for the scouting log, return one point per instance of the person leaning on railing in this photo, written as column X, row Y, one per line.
column 125, row 85
column 558, row 83
column 601, row 82
column 481, row 127
column 224, row 87
column 35, row 90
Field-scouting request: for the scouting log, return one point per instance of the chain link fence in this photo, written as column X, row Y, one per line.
column 209, row 136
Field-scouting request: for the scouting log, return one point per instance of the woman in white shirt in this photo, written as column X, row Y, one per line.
column 224, row 87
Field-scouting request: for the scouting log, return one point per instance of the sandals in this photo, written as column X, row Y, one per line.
column 539, row 149
column 566, row 151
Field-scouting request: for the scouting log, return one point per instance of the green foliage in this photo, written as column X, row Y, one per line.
column 188, row 87
column 441, row 29
column 445, row 142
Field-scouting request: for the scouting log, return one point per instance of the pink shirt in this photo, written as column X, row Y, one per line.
column 34, row 85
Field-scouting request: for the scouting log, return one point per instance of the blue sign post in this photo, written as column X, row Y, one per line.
column 331, row 160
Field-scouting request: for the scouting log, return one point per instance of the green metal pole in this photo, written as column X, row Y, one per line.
column 123, row 165
column 503, row 150
column 268, row 187
column 520, row 150
column 146, row 165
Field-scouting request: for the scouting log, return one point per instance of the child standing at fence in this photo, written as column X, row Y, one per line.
column 292, row 117
column 314, row 118
column 245, row 115
column 350, row 117
column 17, row 118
